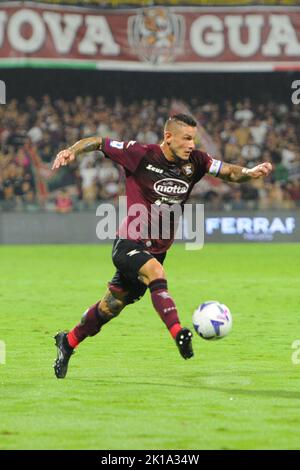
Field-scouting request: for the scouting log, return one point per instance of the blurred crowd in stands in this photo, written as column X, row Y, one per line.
column 243, row 133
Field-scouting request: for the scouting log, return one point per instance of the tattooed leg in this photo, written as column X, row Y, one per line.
column 111, row 305
column 96, row 316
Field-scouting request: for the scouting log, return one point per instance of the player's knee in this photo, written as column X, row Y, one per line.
column 151, row 271
column 157, row 273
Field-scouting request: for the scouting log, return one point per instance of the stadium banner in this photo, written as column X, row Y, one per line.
column 243, row 226
column 185, row 39
column 219, row 227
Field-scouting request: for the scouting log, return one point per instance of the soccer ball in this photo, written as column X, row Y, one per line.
column 212, row 320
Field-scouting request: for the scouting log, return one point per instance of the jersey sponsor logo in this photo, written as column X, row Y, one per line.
column 117, row 144
column 171, row 186
column 153, row 168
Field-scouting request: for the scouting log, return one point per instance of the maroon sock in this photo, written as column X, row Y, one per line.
column 91, row 323
column 164, row 305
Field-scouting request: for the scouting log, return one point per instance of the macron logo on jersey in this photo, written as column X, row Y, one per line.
column 116, row 144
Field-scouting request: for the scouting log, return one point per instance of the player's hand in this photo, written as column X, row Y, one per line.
column 264, row 169
column 63, row 158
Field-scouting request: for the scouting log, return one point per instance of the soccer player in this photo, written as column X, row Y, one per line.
column 155, row 175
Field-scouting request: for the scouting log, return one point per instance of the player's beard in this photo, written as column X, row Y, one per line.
column 177, row 159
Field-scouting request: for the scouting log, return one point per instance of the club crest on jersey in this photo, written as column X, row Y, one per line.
column 188, row 169
column 171, row 187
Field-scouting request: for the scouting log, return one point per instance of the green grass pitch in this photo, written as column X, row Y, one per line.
column 128, row 387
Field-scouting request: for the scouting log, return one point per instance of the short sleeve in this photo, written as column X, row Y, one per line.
column 127, row 154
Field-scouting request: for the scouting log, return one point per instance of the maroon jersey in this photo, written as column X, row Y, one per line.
column 153, row 181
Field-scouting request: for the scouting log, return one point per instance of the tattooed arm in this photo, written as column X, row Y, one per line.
column 238, row 174
column 64, row 157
